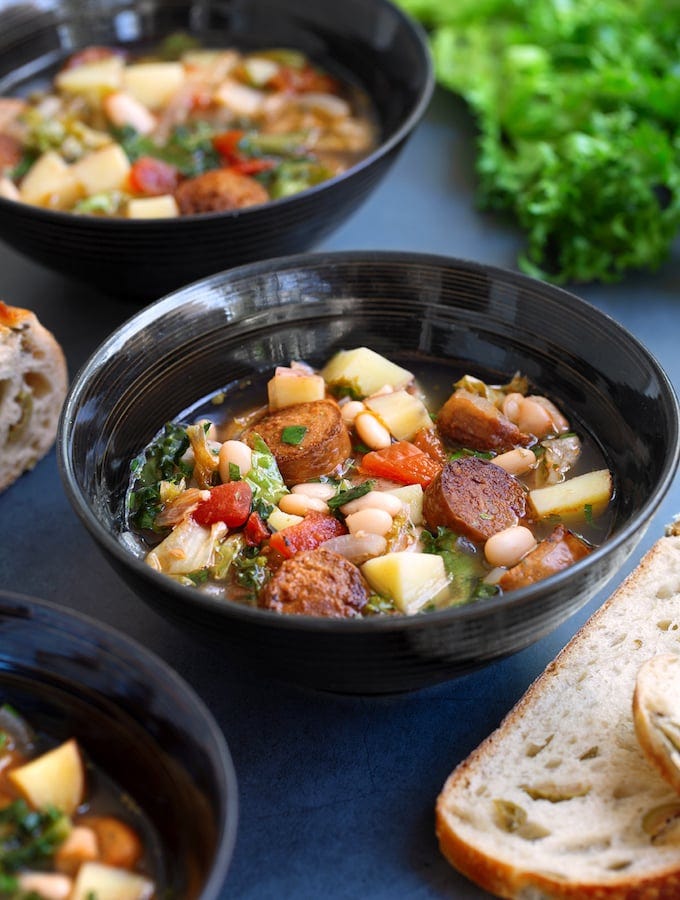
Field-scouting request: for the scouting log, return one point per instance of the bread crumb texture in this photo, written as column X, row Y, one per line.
column 33, row 383
column 561, row 800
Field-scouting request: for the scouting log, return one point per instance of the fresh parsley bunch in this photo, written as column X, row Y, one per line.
column 578, row 108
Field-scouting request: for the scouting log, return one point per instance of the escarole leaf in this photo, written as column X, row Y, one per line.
column 162, row 462
column 264, row 477
column 579, row 139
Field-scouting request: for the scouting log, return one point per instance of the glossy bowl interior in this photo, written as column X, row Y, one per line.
column 138, row 722
column 369, row 41
column 235, row 327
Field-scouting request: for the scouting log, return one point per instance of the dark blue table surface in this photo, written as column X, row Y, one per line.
column 337, row 793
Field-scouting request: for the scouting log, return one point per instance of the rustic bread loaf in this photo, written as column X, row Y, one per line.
column 33, row 383
column 656, row 714
column 561, row 801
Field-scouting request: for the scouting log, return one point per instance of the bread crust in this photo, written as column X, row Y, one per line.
column 656, row 715
column 33, row 383
column 593, row 679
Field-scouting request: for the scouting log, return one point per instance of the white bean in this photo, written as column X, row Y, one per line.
column 300, row 504
column 371, row 521
column 238, row 454
column 516, row 462
column 507, row 547
column 374, row 500
column 511, row 406
column 372, row 432
column 534, row 418
column 319, row 489
column 49, row 885
column 351, row 410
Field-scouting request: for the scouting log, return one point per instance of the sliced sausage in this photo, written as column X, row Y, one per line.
column 560, row 549
column 316, row 583
column 474, row 498
column 324, row 446
column 474, row 422
column 218, row 191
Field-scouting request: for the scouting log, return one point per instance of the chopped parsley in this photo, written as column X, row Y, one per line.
column 29, row 837
column 234, row 472
column 293, row 434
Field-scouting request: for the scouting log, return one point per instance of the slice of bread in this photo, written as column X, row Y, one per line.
column 33, row 384
column 560, row 801
column 656, row 714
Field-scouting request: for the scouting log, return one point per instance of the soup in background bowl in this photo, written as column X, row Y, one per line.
column 104, row 737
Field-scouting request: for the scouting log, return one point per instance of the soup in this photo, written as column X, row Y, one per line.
column 359, row 489
column 66, row 831
column 180, row 132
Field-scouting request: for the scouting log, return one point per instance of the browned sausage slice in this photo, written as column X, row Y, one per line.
column 316, row 583
column 324, row 446
column 474, row 498
column 217, row 191
column 474, row 422
column 560, row 549
column 10, row 151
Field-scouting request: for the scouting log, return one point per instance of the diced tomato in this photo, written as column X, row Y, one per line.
column 91, row 55
column 303, row 80
column 226, row 144
column 428, row 440
column 314, row 529
column 252, row 166
column 229, row 503
column 152, row 177
column 402, row 462
column 10, row 151
column 256, row 530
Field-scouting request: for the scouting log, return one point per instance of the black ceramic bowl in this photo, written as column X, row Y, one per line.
column 371, row 40
column 240, row 324
column 70, row 676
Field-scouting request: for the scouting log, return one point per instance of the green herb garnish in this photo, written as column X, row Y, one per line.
column 579, row 138
column 588, row 513
column 464, row 565
column 162, row 461
column 234, row 472
column 29, row 837
column 351, row 494
column 293, row 434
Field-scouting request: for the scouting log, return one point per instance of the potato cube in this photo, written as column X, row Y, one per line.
column 363, row 371
column 104, row 170
column 93, row 80
column 108, row 883
column 50, row 182
column 411, row 495
column 278, row 519
column 403, row 413
column 57, row 778
column 163, row 207
column 287, row 390
column 153, row 83
column 579, row 497
column 410, row 579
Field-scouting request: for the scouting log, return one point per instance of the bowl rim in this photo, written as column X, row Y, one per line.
column 116, row 642
column 522, row 597
column 416, row 113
